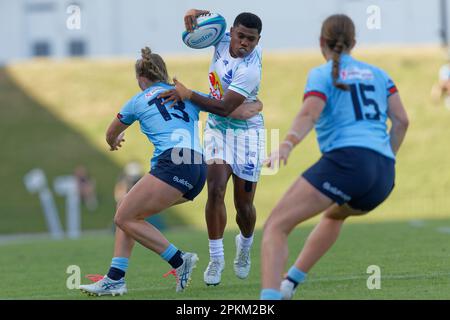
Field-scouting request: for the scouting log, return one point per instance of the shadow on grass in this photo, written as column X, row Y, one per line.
column 33, row 137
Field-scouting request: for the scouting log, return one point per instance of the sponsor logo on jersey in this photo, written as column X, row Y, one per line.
column 228, row 77
column 215, row 87
column 153, row 91
column 356, row 73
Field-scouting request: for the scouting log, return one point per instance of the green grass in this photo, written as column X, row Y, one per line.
column 54, row 115
column 413, row 260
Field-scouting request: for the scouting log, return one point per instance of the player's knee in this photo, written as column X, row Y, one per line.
column 216, row 193
column 244, row 209
column 271, row 231
column 277, row 223
column 120, row 221
column 271, row 226
column 266, row 227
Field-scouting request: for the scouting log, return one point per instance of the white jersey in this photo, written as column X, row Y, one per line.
column 242, row 75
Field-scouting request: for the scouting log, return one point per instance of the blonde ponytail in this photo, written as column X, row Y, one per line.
column 151, row 66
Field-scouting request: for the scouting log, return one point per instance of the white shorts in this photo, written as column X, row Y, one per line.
column 243, row 150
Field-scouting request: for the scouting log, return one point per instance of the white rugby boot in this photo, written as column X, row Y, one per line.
column 213, row 273
column 184, row 272
column 104, row 287
column 242, row 261
column 287, row 289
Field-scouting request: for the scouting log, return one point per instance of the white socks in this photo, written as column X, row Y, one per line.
column 216, row 249
column 216, row 246
column 245, row 242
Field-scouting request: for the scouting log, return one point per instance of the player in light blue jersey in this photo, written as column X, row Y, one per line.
column 178, row 174
column 348, row 102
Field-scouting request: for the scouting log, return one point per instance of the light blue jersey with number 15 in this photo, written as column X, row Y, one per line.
column 354, row 118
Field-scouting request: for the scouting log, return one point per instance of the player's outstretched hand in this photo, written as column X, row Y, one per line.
column 190, row 18
column 276, row 157
column 118, row 143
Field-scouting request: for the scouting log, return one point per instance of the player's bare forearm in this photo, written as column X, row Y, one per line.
column 218, row 107
column 305, row 120
column 223, row 108
column 397, row 134
column 247, row 110
column 301, row 127
column 400, row 122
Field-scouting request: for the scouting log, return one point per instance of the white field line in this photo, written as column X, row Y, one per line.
column 417, row 223
column 31, row 237
column 422, row 223
column 443, row 229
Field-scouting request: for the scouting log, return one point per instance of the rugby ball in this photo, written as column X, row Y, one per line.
column 210, row 29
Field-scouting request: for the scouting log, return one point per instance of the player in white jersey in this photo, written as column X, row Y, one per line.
column 233, row 147
column 441, row 90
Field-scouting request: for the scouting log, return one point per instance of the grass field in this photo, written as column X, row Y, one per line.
column 54, row 115
column 414, row 261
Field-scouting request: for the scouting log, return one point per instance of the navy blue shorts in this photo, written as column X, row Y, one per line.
column 189, row 176
column 360, row 177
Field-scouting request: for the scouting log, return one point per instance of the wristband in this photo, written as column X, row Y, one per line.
column 289, row 143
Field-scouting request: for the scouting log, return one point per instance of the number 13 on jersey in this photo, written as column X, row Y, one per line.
column 167, row 116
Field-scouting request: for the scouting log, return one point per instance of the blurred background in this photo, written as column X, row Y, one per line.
column 67, row 67
column 112, row 28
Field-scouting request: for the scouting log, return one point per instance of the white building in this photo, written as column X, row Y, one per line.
column 61, row 28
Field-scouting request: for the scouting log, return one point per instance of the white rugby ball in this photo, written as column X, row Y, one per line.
column 209, row 31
